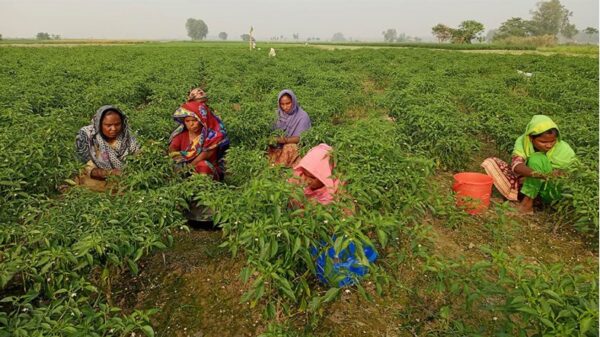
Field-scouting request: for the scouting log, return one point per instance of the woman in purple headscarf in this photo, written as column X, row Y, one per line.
column 293, row 121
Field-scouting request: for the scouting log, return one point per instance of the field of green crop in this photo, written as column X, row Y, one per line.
column 400, row 121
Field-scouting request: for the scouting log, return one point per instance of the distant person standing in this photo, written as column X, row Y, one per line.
column 293, row 121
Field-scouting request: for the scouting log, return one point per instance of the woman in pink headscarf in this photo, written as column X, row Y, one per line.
column 315, row 172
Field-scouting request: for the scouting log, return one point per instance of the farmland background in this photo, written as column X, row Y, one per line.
column 401, row 122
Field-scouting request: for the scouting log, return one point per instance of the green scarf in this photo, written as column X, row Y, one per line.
column 561, row 155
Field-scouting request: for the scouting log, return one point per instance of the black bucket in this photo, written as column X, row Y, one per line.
column 199, row 216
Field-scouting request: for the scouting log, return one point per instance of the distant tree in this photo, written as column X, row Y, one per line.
column 296, row 36
column 0, row 37
column 491, row 35
column 223, row 36
column 403, row 38
column 442, row 32
column 196, row 29
column 513, row 27
column 587, row 31
column 245, row 37
column 338, row 37
column 390, row 35
column 569, row 31
column 550, row 18
column 42, row 36
column 467, row 31
column 55, row 37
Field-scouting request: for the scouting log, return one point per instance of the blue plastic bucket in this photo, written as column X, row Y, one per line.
column 346, row 263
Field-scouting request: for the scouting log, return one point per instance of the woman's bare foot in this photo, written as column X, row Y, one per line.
column 526, row 206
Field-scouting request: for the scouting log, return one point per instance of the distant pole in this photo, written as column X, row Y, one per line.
column 250, row 39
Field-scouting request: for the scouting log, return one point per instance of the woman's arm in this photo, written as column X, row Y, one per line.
column 288, row 140
column 203, row 156
column 524, row 171
column 102, row 174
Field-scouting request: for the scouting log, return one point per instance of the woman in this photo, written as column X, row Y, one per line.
column 200, row 140
column 293, row 121
column 538, row 155
column 103, row 146
column 315, row 172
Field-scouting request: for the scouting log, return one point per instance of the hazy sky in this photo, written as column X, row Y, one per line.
column 165, row 19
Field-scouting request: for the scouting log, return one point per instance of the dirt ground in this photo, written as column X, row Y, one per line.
column 197, row 288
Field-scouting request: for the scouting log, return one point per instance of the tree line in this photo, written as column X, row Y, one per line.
column 549, row 19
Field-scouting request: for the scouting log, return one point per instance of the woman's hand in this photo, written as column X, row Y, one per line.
column 543, row 176
column 288, row 140
column 196, row 94
column 102, row 174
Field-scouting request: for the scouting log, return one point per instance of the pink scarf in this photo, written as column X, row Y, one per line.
column 316, row 162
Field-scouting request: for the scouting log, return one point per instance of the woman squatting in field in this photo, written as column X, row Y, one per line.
column 200, row 140
column 539, row 154
column 103, row 146
column 293, row 121
column 315, row 172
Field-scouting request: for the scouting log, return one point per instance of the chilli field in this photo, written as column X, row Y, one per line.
column 401, row 122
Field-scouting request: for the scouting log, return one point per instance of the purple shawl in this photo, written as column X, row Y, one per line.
column 295, row 122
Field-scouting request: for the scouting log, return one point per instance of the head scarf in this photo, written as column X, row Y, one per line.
column 317, row 163
column 561, row 154
column 91, row 144
column 296, row 121
column 213, row 132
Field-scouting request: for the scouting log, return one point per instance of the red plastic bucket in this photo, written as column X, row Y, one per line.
column 473, row 191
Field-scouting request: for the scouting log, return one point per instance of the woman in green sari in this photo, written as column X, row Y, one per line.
column 539, row 154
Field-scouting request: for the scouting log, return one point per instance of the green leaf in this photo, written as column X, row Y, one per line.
column 383, row 238
column 245, row 274
column 584, row 325
column 133, row 267
column 330, row 295
column 527, row 310
column 297, row 244
column 547, row 322
column 147, row 329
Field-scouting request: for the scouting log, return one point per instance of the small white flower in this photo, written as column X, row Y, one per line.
column 495, row 318
column 325, row 221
